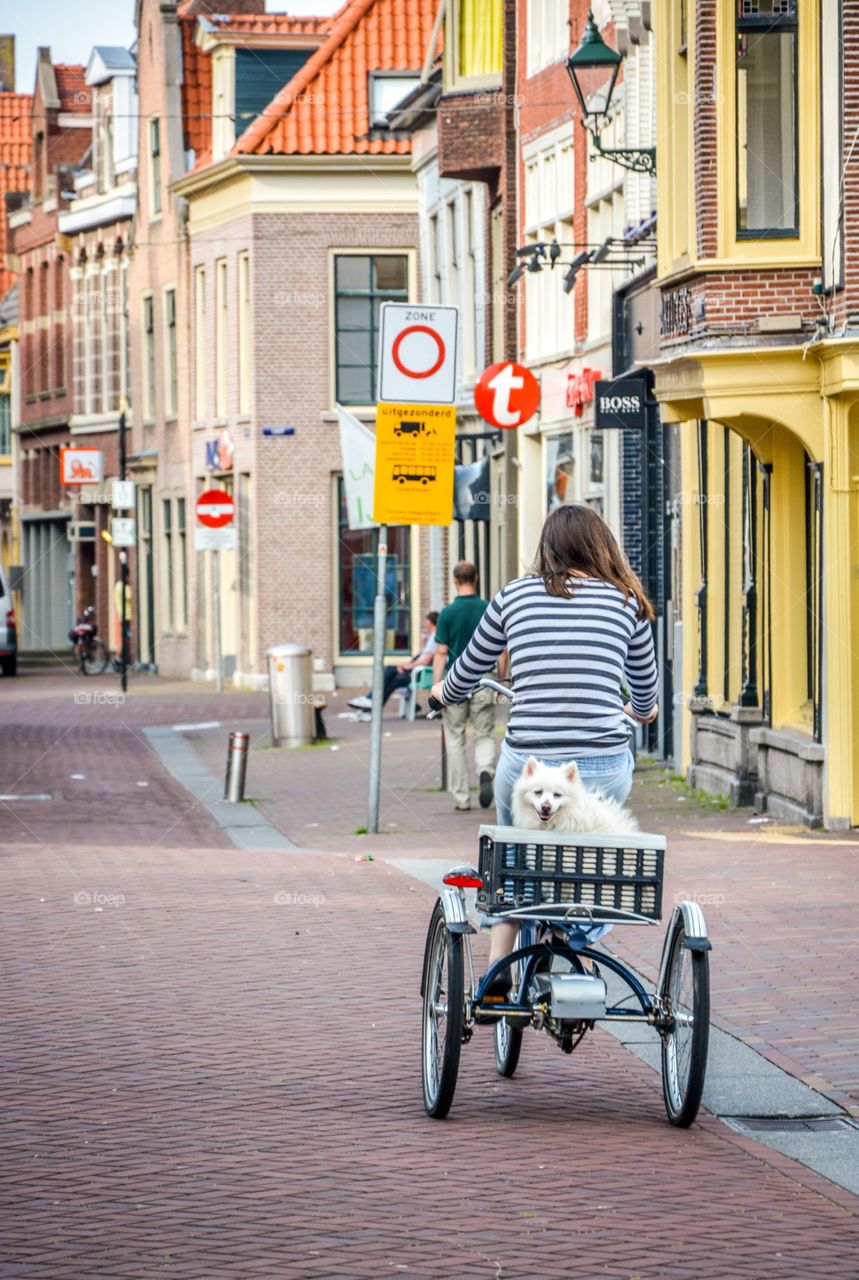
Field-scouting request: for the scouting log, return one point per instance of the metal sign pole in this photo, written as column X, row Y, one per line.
column 379, row 621
column 123, row 566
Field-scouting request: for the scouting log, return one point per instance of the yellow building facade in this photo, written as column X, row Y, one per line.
column 759, row 364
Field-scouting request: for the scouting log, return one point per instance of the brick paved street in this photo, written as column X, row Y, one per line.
column 202, row 1081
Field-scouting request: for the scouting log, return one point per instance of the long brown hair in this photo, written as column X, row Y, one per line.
column 576, row 539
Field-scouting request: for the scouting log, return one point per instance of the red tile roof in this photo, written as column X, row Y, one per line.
column 75, row 94
column 196, row 89
column 324, row 110
column 15, row 128
column 15, row 155
column 271, row 23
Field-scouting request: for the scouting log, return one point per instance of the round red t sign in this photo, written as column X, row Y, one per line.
column 215, row 508
column 507, row 394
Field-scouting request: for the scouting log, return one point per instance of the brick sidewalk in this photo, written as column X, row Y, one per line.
column 203, row 1082
column 780, row 903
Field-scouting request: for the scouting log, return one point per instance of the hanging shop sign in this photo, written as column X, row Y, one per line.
column 507, row 394
column 580, row 389
column 81, row 466
column 620, row 403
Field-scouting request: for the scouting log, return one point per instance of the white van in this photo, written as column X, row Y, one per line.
column 8, row 634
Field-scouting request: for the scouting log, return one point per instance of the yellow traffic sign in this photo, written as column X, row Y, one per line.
column 414, row 464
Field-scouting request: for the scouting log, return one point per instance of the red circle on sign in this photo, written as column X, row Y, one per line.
column 507, row 394
column 411, row 373
column 215, row 508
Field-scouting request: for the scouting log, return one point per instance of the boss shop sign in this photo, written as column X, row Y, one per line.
column 622, row 403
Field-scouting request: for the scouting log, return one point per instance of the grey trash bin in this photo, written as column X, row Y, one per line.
column 290, row 681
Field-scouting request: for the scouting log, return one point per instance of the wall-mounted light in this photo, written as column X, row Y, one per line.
column 574, row 268
column 593, row 69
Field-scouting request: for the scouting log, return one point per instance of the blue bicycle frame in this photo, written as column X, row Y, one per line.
column 575, row 950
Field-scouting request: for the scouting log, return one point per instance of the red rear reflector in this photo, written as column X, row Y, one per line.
column 464, row 882
column 10, row 618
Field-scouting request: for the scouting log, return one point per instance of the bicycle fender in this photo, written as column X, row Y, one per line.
column 695, row 929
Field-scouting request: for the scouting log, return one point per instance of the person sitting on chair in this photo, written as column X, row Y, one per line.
column 401, row 677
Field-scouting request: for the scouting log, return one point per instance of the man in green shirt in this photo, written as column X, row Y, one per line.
column 457, row 623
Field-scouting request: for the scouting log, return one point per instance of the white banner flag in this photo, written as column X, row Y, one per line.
column 358, row 450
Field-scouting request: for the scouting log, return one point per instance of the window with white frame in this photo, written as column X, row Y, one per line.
column 451, row 239
column 223, row 101
column 171, row 375
column 169, row 578
column 548, row 33
column 221, row 337
column 469, row 288
column 155, row 165
column 606, row 220
column 434, row 283
column 549, row 311
column 102, row 141
column 200, row 342
column 244, row 334
column 148, row 357
column 181, row 567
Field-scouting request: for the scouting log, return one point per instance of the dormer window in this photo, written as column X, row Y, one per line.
column 386, row 89
column 244, row 82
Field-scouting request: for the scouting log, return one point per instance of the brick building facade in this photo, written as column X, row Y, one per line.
column 299, row 227
column 61, row 134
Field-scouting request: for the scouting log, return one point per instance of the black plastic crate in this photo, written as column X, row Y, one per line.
column 523, row 869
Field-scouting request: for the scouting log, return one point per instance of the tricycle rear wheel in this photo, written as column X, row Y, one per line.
column 685, row 999
column 443, row 1014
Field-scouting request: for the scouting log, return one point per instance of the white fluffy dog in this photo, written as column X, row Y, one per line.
column 554, row 798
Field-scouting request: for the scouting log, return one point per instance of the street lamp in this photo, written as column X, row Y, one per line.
column 593, row 70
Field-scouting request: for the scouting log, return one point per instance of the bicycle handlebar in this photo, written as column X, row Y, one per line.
column 486, row 682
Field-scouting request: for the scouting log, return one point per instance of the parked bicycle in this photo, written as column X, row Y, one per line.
column 89, row 650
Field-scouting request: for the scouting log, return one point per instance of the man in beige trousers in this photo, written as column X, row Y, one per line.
column 457, row 622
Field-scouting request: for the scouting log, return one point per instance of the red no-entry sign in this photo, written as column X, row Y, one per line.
column 215, row 508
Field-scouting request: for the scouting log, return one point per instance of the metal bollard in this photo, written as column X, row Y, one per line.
column 237, row 767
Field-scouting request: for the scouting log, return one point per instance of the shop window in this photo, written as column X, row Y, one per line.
column 767, row 140
column 356, row 572
column 361, row 284
column 560, row 470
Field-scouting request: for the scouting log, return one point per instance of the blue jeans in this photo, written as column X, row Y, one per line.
column 610, row 774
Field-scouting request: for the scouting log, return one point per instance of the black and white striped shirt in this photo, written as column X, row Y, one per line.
column 568, row 658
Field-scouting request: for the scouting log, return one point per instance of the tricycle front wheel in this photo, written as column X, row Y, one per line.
column 686, row 1001
column 443, row 1014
